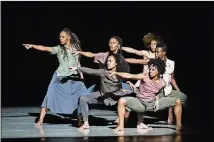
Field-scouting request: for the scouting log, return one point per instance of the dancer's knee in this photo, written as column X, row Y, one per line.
column 82, row 99
column 178, row 102
column 122, row 101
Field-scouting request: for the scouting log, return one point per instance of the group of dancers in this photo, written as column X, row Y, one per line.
column 154, row 88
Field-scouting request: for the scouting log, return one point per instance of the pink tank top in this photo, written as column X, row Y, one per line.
column 148, row 89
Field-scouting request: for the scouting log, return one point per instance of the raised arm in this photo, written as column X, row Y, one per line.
column 137, row 61
column 38, row 47
column 129, row 76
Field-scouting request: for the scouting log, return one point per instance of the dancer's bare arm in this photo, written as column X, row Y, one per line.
column 38, row 47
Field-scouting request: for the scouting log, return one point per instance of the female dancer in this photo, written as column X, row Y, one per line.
column 150, row 42
column 115, row 47
column 146, row 100
column 110, row 86
column 160, row 51
column 66, row 85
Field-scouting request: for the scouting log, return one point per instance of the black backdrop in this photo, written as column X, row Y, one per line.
column 182, row 25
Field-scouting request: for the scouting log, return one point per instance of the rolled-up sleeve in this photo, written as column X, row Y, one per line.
column 95, row 72
column 100, row 57
column 55, row 49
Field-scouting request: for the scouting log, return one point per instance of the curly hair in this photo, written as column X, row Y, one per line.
column 149, row 37
column 74, row 41
column 120, row 41
column 159, row 64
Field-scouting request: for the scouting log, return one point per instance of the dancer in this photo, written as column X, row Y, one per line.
column 169, row 76
column 147, row 100
column 115, row 47
column 66, row 86
column 110, row 86
column 168, row 91
column 150, row 42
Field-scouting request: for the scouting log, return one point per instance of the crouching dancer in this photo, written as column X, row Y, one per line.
column 110, row 86
column 146, row 100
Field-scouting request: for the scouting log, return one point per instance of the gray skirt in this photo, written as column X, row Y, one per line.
column 62, row 97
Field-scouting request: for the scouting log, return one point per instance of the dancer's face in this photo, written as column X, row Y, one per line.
column 159, row 53
column 111, row 63
column 153, row 45
column 64, row 37
column 153, row 72
column 113, row 44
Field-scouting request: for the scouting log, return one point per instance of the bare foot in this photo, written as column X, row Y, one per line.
column 83, row 127
column 119, row 128
column 143, row 126
column 120, row 133
column 39, row 123
column 179, row 128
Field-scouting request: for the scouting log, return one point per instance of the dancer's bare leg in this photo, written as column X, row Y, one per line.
column 42, row 116
column 126, row 117
column 121, row 113
column 170, row 116
column 178, row 114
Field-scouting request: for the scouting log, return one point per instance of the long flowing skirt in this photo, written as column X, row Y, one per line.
column 63, row 97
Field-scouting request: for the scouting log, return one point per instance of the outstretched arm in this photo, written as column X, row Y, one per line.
column 98, row 57
column 38, row 47
column 86, row 54
column 134, row 51
column 137, row 61
column 129, row 76
column 95, row 72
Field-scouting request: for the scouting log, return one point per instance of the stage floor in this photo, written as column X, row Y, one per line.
column 19, row 122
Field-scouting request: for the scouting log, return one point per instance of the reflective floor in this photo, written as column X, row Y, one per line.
column 18, row 124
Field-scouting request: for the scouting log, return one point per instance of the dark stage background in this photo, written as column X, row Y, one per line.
column 182, row 25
